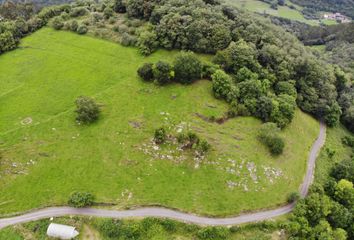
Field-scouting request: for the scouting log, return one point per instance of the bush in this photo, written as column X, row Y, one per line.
column 268, row 135
column 57, row 23
column 209, row 69
column 74, row 25
column 147, row 42
column 87, row 110
column 111, row 228
column 162, row 72
column 276, row 145
column 223, row 86
column 81, row 199
column 128, row 40
column 160, row 135
column 77, row 12
column 203, row 147
column 187, row 67
column 213, row 233
column 293, row 197
column 82, row 29
column 146, row 72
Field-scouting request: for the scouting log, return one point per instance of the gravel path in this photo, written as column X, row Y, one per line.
column 168, row 213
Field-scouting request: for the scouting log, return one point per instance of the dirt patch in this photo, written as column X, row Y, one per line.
column 26, row 121
column 219, row 120
column 135, row 124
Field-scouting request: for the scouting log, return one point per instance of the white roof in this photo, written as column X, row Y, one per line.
column 61, row 231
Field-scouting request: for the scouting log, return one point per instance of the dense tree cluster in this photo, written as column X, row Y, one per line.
column 343, row 6
column 269, row 68
column 328, row 211
column 22, row 22
column 186, row 68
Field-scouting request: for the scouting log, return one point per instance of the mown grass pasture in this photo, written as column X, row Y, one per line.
column 46, row 155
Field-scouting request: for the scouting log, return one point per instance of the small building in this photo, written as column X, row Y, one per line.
column 61, row 231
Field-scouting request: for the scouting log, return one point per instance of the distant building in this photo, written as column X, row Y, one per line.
column 337, row 16
column 61, row 231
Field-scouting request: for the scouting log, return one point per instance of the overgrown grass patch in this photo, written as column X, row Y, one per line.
column 47, row 155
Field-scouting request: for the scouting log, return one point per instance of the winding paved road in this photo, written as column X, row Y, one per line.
column 168, row 213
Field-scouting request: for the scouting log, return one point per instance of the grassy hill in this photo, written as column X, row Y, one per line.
column 282, row 11
column 46, row 155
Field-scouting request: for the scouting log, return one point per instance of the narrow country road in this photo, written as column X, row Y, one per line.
column 167, row 213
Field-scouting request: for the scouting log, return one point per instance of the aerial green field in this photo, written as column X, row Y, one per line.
column 282, row 11
column 46, row 155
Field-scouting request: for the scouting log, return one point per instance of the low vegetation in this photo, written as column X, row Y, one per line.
column 81, row 199
column 41, row 140
column 269, row 135
column 87, row 110
column 148, row 228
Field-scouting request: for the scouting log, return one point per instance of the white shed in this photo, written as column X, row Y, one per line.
column 61, row 231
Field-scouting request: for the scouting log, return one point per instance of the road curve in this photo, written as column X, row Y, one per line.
column 172, row 214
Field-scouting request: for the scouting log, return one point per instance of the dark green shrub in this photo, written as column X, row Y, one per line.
column 87, row 110
column 146, row 72
column 162, row 72
column 293, row 197
column 82, row 29
column 187, row 67
column 268, row 135
column 81, row 199
column 203, row 146
column 74, row 25
column 57, row 23
column 209, row 69
column 192, row 138
column 276, row 145
column 160, row 135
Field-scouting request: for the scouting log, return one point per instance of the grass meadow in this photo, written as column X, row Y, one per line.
column 46, row 155
column 282, row 11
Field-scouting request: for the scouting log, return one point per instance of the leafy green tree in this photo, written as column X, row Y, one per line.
column 344, row 193
column 245, row 74
column 343, row 170
column 147, row 41
column 223, row 86
column 286, row 87
column 81, row 199
column 340, row 217
column 87, row 110
column 187, row 67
